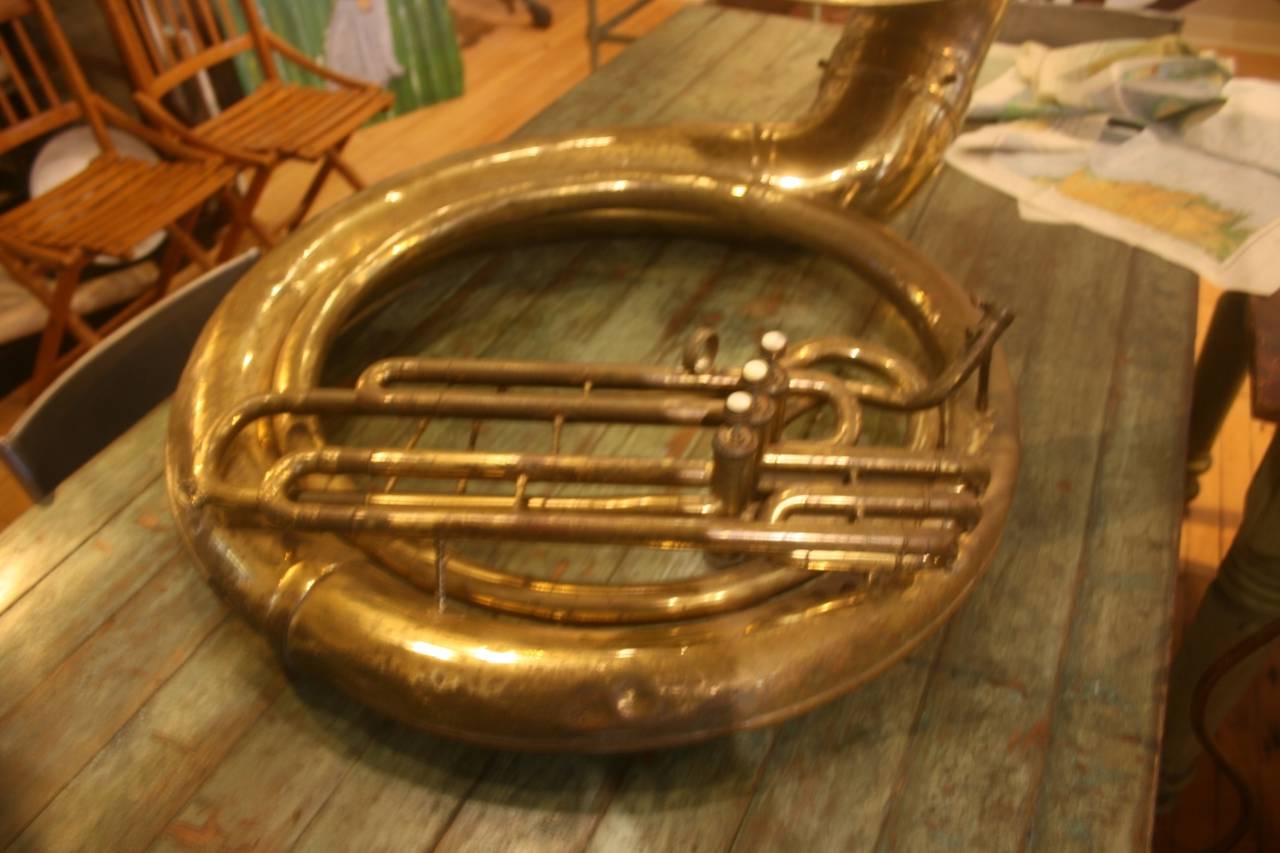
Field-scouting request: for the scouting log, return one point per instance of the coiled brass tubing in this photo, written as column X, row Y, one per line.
column 833, row 557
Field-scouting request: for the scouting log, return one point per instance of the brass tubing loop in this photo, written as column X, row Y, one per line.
column 829, row 557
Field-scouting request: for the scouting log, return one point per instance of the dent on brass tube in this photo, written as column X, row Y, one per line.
column 843, row 556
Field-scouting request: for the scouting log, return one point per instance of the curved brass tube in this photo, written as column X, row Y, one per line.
column 593, row 666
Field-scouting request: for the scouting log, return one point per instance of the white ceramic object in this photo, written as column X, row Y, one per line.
column 69, row 152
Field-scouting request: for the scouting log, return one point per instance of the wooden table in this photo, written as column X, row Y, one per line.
column 135, row 711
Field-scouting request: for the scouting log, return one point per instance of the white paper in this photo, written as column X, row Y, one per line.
column 1217, row 216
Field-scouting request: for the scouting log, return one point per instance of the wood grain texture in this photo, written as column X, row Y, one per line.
column 1110, row 693
column 158, row 758
column 49, row 737
column 994, row 680
column 1031, row 721
column 277, row 775
column 831, row 775
column 53, row 529
column 55, row 617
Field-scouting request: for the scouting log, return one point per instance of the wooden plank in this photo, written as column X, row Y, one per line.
column 277, row 776
column 985, row 719
column 719, row 78
column 405, row 788
column 749, row 84
column 533, row 803
column 99, row 687
column 649, row 79
column 56, row 527
column 1099, row 781
column 684, row 799
column 124, row 797
column 831, row 773
column 47, row 624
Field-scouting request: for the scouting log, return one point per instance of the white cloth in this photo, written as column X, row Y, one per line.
column 358, row 42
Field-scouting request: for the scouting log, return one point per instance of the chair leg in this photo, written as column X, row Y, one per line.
column 117, row 320
column 180, row 233
column 55, row 327
column 241, row 221
column 1220, row 371
column 35, row 283
column 242, row 215
column 181, row 242
column 310, row 196
column 349, row 174
column 332, row 162
column 168, row 264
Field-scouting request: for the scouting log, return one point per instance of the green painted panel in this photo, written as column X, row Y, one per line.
column 422, row 32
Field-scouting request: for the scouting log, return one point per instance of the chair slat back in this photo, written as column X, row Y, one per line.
column 38, row 96
column 167, row 42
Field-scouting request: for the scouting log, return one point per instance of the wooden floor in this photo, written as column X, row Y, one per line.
column 514, row 71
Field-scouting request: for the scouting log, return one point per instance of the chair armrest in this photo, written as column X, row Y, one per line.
column 162, row 143
column 299, row 58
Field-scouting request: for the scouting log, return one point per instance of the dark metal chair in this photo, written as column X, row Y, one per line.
column 114, row 385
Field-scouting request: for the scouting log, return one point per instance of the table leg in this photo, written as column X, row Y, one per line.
column 1244, row 596
column 593, row 33
column 1220, row 371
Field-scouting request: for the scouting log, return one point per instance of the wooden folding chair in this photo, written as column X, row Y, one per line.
column 166, row 43
column 108, row 208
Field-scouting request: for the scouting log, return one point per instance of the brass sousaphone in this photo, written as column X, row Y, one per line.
column 827, row 557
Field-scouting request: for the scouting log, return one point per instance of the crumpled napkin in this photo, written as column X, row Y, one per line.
column 1141, row 81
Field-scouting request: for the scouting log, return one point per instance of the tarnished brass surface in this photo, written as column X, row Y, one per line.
column 366, row 588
